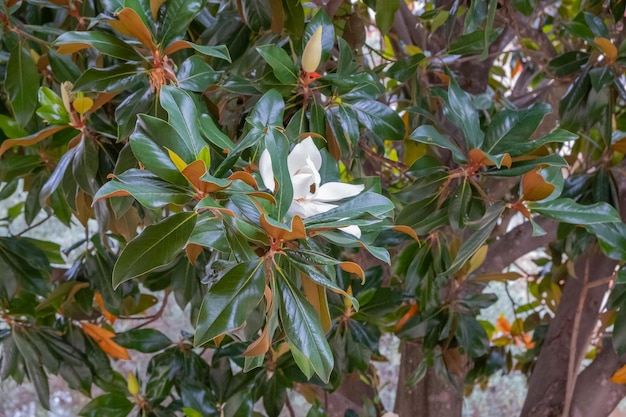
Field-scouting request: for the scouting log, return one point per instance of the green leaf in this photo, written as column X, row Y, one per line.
column 63, row 68
column 102, row 41
column 619, row 331
column 612, row 239
column 10, row 128
column 277, row 58
column 429, row 135
column 22, row 83
column 156, row 246
column 385, row 14
column 143, row 340
column 165, row 135
column 112, row 79
column 522, row 167
column 153, row 157
column 403, row 69
column 146, row 188
column 477, row 240
column 364, row 203
column 568, row 63
column 304, row 331
column 379, row 118
column 178, row 17
column 230, row 301
column 36, row 374
column 458, row 210
column 196, row 75
column 198, row 398
column 214, row 135
column 473, row 43
column 183, row 116
column 52, row 109
column 278, row 147
column 508, row 128
column 568, row 211
column 114, row 404
column 460, row 110
column 140, row 101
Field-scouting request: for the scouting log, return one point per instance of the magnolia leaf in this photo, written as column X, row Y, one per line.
column 157, row 245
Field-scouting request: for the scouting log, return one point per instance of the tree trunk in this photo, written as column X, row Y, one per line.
column 429, row 398
column 548, row 383
column 595, row 394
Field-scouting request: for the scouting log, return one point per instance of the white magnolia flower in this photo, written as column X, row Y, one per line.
column 309, row 197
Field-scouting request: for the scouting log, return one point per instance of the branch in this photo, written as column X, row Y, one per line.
column 515, row 244
column 595, row 394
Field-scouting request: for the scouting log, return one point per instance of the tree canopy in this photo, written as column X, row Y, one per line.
column 301, row 178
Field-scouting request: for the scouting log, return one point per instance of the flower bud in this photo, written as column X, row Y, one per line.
column 133, row 384
column 312, row 54
column 67, row 95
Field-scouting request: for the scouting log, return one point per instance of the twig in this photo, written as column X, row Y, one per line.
column 574, row 362
column 158, row 314
column 32, row 226
column 292, row 412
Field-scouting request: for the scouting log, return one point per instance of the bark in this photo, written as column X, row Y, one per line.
column 547, row 385
column 595, row 395
column 431, row 397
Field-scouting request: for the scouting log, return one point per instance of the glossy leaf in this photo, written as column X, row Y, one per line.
column 147, row 189
column 284, row 69
column 196, row 75
column 472, row 244
column 230, row 301
column 22, row 83
column 113, row 79
column 143, row 340
column 510, row 127
column 71, row 42
column 568, row 211
column 114, row 404
column 157, row 245
column 183, row 116
column 304, row 331
column 429, row 135
column 379, row 118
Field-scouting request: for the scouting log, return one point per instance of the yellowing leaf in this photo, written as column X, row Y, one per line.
column 353, row 268
column 82, row 105
column 503, row 325
column 607, row 48
column 155, row 5
column 619, row 377
column 297, row 230
column 130, row 24
column 29, row 140
column 316, row 295
column 98, row 298
column 261, row 345
column 535, row 187
column 104, row 338
column 477, row 259
column 177, row 160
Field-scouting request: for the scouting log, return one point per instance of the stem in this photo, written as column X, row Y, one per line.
column 292, row 412
column 32, row 226
column 158, row 314
column 574, row 361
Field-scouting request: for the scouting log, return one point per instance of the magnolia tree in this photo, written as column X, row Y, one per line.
column 302, row 178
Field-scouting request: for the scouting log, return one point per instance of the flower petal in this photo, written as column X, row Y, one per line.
column 333, row 191
column 307, row 208
column 304, row 150
column 266, row 171
column 351, row 230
